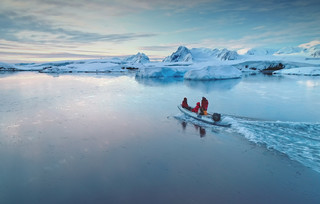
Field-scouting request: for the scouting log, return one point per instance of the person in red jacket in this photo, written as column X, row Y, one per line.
column 204, row 106
column 185, row 104
column 196, row 109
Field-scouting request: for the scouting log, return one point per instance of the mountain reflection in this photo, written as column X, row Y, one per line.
column 159, row 81
column 204, row 86
column 213, row 85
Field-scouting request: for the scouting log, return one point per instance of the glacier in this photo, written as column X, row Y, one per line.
column 192, row 64
column 306, row 71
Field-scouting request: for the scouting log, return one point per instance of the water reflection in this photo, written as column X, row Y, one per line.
column 209, row 86
column 202, row 130
column 184, row 125
column 159, row 81
column 90, row 74
column 112, row 134
column 4, row 74
column 204, row 86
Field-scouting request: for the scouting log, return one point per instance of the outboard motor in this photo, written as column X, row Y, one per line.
column 216, row 117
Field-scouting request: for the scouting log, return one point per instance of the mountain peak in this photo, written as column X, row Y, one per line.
column 183, row 54
column 138, row 58
column 226, row 54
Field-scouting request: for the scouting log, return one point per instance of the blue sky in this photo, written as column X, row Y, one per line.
column 49, row 30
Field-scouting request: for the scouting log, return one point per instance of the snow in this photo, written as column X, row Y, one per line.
column 205, row 54
column 6, row 66
column 316, row 54
column 289, row 50
column 86, row 67
column 213, row 73
column 260, row 51
column 160, row 72
column 138, row 58
column 183, row 54
column 192, row 64
column 308, row 71
column 83, row 66
column 225, row 54
column 202, row 54
column 259, row 65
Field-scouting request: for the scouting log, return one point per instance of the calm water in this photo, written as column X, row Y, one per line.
column 118, row 139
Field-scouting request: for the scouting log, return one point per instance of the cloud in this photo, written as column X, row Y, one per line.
column 52, row 55
column 62, row 26
column 107, row 8
column 158, row 47
column 310, row 44
column 29, row 29
column 89, row 37
column 258, row 28
column 62, row 21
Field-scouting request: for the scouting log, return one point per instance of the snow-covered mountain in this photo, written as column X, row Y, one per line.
column 312, row 51
column 255, row 60
column 138, row 58
column 260, row 51
column 290, row 50
column 183, row 54
column 225, row 54
column 316, row 54
column 202, row 54
column 6, row 66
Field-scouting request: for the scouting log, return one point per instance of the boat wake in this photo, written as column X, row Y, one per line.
column 300, row 141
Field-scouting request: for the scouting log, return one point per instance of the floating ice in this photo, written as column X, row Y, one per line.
column 213, row 72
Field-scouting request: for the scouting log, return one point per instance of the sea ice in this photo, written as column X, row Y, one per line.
column 309, row 71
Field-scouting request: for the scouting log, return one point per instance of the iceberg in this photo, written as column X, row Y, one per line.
column 82, row 66
column 260, row 66
column 7, row 67
column 159, row 72
column 213, row 73
column 307, row 71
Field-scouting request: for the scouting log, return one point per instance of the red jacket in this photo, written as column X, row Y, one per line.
column 184, row 103
column 204, row 103
column 196, row 109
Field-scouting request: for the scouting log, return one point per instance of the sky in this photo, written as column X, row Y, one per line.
column 52, row 30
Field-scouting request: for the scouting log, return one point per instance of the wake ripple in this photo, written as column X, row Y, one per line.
column 300, row 141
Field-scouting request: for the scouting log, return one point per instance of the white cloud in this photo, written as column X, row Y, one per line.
column 258, row 28
column 124, row 26
column 310, row 44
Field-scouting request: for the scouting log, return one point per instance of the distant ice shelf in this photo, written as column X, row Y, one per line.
column 192, row 64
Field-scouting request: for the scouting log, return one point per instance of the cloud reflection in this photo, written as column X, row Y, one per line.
column 310, row 83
